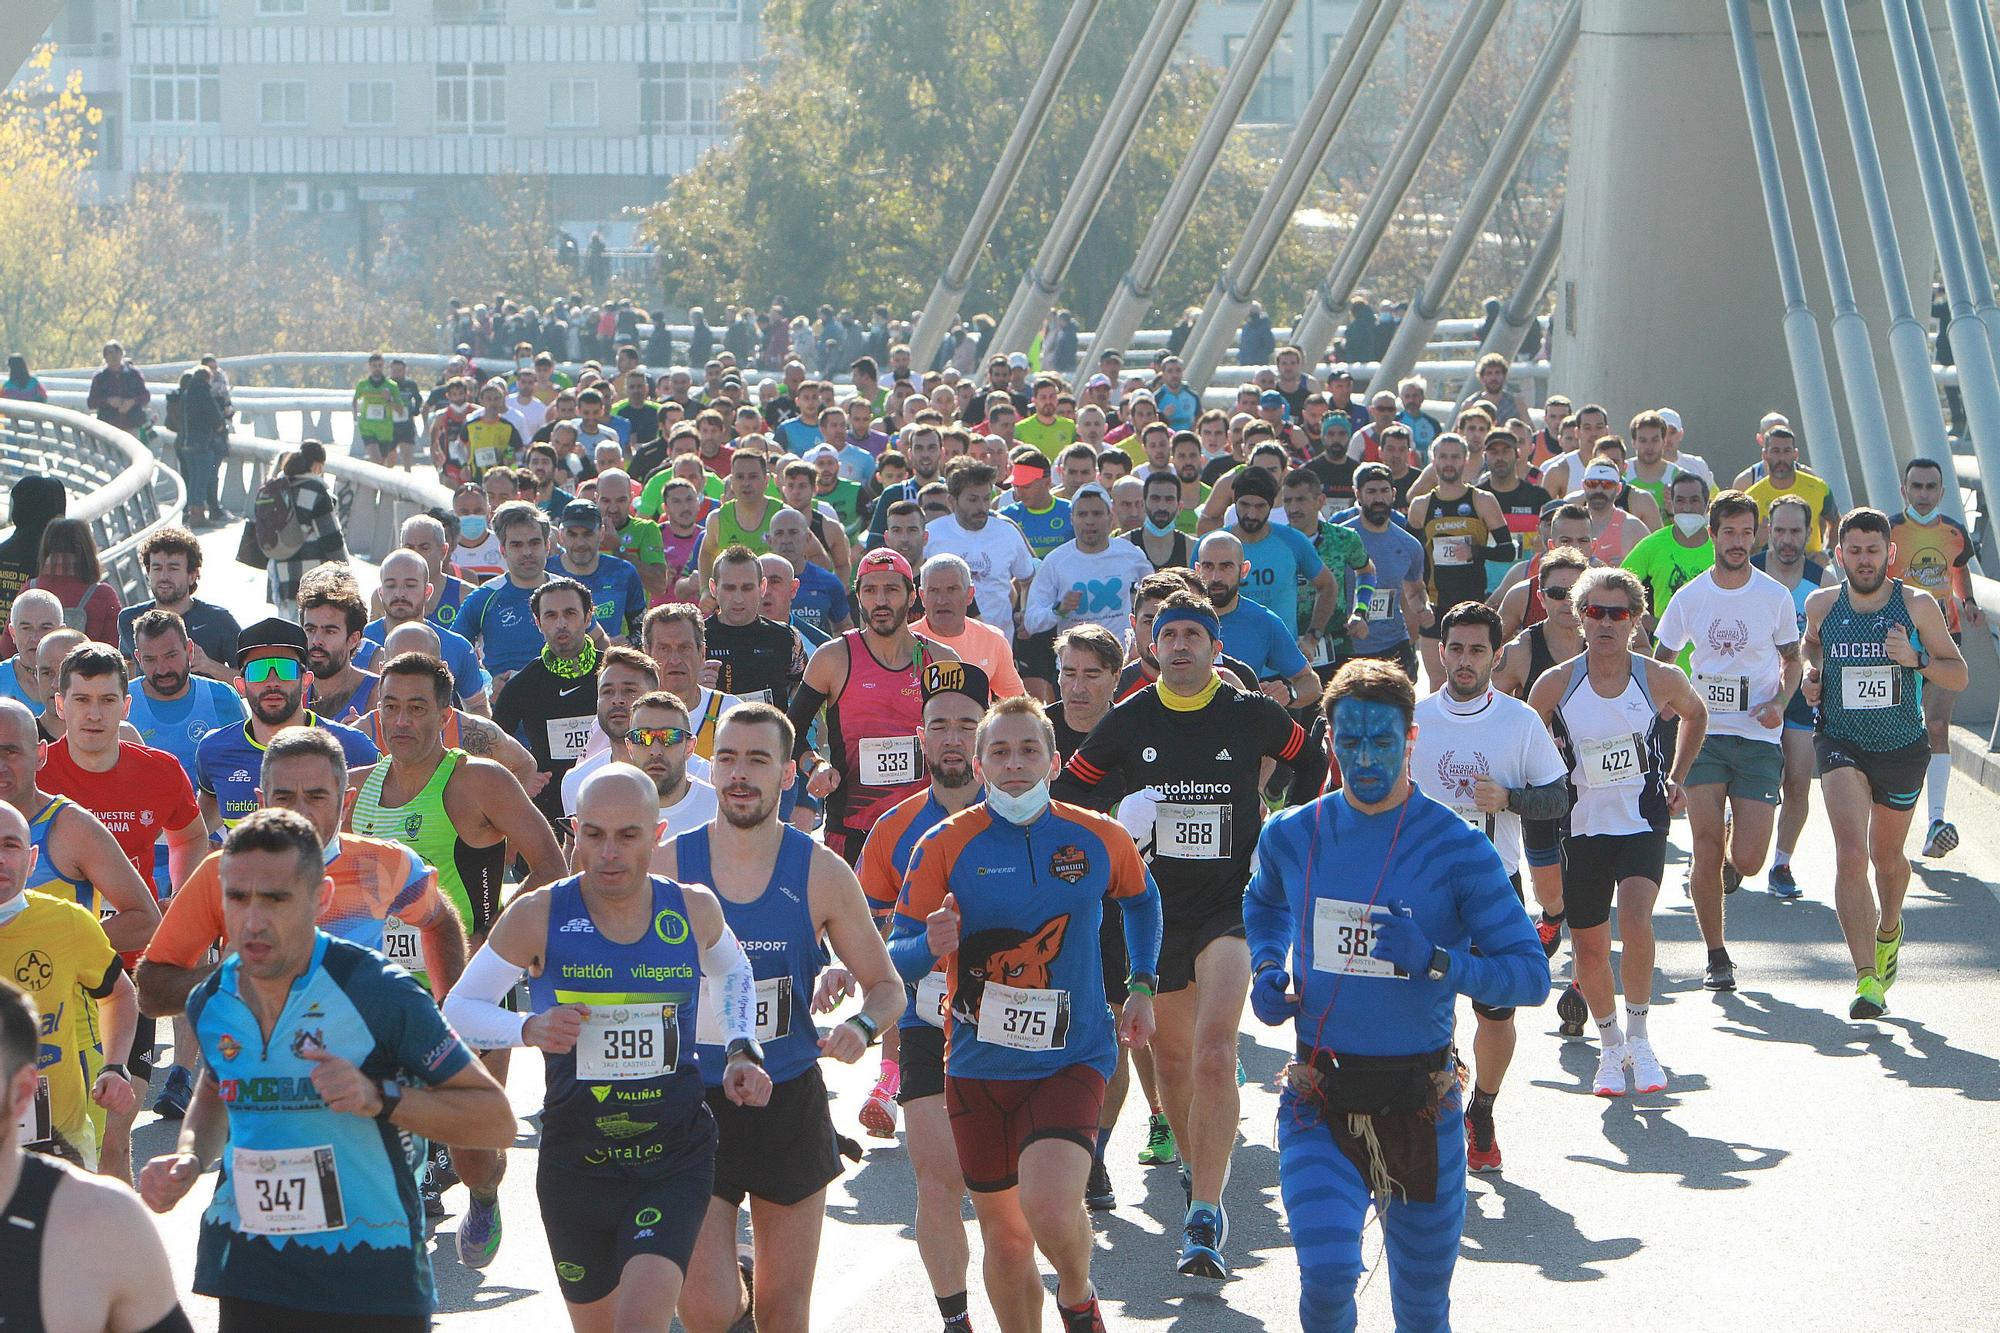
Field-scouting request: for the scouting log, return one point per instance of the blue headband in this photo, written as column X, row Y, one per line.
column 1194, row 617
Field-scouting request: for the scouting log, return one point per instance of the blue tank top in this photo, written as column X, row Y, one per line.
column 177, row 725
column 45, row 876
column 776, row 930
column 614, row 1118
column 1882, row 708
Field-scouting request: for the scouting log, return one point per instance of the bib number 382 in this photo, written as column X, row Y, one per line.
column 1023, row 1018
column 284, row 1191
column 1344, row 935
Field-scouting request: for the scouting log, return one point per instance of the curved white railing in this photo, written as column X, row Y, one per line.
column 114, row 481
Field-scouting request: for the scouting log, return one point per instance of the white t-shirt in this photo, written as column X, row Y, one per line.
column 695, row 808
column 1496, row 735
column 1698, row 465
column 1105, row 579
column 1736, row 635
column 482, row 558
column 997, row 554
column 697, row 770
column 527, row 417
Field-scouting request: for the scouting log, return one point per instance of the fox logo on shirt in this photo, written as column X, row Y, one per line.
column 1006, row 957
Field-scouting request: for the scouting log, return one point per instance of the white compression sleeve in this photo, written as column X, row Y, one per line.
column 734, row 985
column 473, row 1007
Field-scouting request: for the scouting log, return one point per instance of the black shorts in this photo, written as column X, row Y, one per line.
column 1595, row 864
column 1895, row 777
column 596, row 1224
column 922, row 1064
column 236, row 1315
column 1403, row 655
column 1183, row 939
column 1035, row 654
column 1506, row 1011
column 1111, row 952
column 781, row 1152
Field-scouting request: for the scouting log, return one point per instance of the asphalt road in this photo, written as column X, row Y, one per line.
column 1800, row 1171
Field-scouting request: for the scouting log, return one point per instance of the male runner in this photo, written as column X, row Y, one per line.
column 1255, row 634
column 946, row 585
column 1487, row 758
column 332, row 614
column 1397, row 603
column 550, row 704
column 35, row 614
column 1520, row 603
column 50, row 1213
column 325, row 1062
column 761, row 660
column 407, row 587
column 1521, row 501
column 1277, row 561
column 1087, row 580
column 171, row 558
column 1784, row 476
column 628, row 1145
column 869, row 681
column 673, row 637
column 1872, row 643
column 636, row 541
column 1609, row 709
column 1340, row 549
column 623, row 674
column 1162, row 539
column 1613, row 531
column 1742, row 632
column 1026, row 1063
column 781, row 896
column 426, row 536
column 743, row 519
column 498, row 615
column 618, row 598
column 1462, row 529
column 462, row 815
column 1200, row 745
column 1934, row 552
column 1383, row 934
column 1667, row 560
column 1786, row 526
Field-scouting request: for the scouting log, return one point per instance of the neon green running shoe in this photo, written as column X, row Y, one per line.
column 1869, row 1002
column 1160, row 1149
column 1886, row 954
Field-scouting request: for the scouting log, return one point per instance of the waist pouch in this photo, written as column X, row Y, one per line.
column 1382, row 1112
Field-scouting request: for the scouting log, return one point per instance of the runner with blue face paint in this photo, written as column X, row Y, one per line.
column 1373, row 896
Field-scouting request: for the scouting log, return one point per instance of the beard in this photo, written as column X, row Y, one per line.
column 953, row 775
column 754, row 817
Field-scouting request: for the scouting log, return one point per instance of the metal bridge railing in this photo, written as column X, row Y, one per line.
column 114, row 481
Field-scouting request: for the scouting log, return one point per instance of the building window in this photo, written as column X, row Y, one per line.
column 365, row 8
column 573, row 104
column 176, row 95
column 471, row 11
column 282, row 103
column 272, row 9
column 692, row 9
column 472, row 98
column 173, row 11
column 684, row 99
column 576, row 6
column 371, row 104
column 1272, row 99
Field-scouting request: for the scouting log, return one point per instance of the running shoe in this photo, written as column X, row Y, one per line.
column 1732, row 878
column 1201, row 1246
column 1721, row 974
column 1085, row 1318
column 878, row 1113
column 1869, row 1001
column 1241, row 1077
column 1571, row 1011
column 479, row 1233
column 1482, row 1149
column 172, row 1103
column 1610, row 1080
column 1647, row 1076
column 1160, row 1149
column 1886, row 954
column 1942, row 838
column 1550, row 933
column 1781, row 884
column 1098, row 1196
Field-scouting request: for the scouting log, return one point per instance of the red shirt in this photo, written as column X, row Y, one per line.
column 146, row 794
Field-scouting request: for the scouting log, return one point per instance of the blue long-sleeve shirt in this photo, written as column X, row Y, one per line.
column 1317, row 867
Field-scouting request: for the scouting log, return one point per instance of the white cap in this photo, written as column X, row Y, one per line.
column 1672, row 418
column 1770, row 419
column 1017, row 360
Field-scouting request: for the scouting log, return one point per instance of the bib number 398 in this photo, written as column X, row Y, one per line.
column 284, row 1191
column 621, row 1041
column 1024, row 1019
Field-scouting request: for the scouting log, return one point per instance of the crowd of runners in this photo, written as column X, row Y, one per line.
column 1030, row 726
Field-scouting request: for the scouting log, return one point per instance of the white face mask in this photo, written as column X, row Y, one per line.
column 1023, row 809
column 1690, row 524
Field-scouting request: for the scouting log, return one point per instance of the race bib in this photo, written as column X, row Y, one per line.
column 1191, row 832
column 771, row 1011
column 1723, row 694
column 1381, row 603
column 285, row 1191
column 1612, row 762
column 1451, row 552
column 486, row 457
column 755, row 696
column 402, row 944
column 933, row 999
column 35, row 1124
column 1024, row 1019
column 624, row 1041
column 1867, row 687
column 1474, row 818
column 568, row 737
column 1343, row 933
column 373, row 412
column 889, row 761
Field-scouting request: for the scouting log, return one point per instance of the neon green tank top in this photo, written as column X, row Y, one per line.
column 733, row 533
column 468, row 877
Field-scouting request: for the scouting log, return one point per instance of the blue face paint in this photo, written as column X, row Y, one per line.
column 1371, row 741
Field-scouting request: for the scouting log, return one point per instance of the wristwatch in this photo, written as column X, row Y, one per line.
column 1440, row 964
column 869, row 1031
column 748, row 1048
column 392, row 1097
column 1143, row 983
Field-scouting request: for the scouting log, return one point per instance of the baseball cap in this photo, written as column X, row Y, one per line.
column 1017, row 360
column 581, row 514
column 1671, row 417
column 1764, row 423
column 941, row 677
column 268, row 633
column 819, row 451
column 882, row 558
column 1090, row 488
column 1028, row 471
column 1098, row 382
column 1270, row 398
column 1601, row 471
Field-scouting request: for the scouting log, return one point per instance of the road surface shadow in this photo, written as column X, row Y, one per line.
column 1531, row 1230
column 1656, row 1146
column 1930, row 1061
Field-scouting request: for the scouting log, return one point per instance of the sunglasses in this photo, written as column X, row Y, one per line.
column 1600, row 485
column 1557, row 594
column 1616, row 614
column 651, row 736
column 259, row 670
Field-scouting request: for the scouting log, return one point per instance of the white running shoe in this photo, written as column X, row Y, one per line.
column 1647, row 1076
column 1611, row 1062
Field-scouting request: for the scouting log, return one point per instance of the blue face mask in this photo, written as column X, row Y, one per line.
column 1925, row 519
column 1371, row 740
column 1154, row 530
column 472, row 527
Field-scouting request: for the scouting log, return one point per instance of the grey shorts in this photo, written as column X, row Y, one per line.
column 1754, row 770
